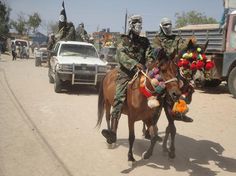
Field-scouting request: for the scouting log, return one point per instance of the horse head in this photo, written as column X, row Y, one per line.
column 168, row 71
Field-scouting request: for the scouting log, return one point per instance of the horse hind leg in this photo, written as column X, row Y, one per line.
column 131, row 159
column 108, row 133
column 108, row 115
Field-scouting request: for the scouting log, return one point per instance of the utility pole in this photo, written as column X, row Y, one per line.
column 125, row 21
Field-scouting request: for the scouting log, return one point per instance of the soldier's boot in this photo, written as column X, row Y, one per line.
column 110, row 135
column 183, row 118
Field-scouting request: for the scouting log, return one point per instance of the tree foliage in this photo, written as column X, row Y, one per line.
column 4, row 18
column 192, row 17
column 20, row 25
column 23, row 25
column 34, row 21
column 53, row 27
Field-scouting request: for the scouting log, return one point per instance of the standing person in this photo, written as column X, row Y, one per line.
column 70, row 32
column 171, row 43
column 51, row 42
column 50, row 45
column 131, row 55
column 13, row 51
column 20, row 50
column 81, row 33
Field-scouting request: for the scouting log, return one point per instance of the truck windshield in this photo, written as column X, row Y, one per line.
column 22, row 43
column 78, row 50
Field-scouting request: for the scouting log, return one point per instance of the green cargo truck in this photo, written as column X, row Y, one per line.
column 221, row 48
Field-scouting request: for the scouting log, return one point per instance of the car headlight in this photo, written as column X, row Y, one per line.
column 102, row 69
column 64, row 67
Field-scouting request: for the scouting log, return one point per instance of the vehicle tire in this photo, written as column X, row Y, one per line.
column 232, row 82
column 97, row 86
column 51, row 80
column 212, row 83
column 37, row 62
column 57, row 84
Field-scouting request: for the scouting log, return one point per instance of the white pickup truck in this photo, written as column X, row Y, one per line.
column 76, row 63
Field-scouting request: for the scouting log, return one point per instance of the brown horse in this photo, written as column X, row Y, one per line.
column 167, row 103
column 135, row 106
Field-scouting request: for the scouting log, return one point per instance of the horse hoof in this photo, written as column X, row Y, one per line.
column 111, row 146
column 131, row 164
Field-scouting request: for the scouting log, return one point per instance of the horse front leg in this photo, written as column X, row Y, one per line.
column 155, row 119
column 172, row 144
column 108, row 116
column 164, row 144
column 154, row 138
column 171, row 129
column 131, row 159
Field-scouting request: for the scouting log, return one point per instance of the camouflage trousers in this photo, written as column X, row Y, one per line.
column 120, row 94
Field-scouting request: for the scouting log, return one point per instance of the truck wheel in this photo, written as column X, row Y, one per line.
column 232, row 82
column 97, row 86
column 57, row 84
column 212, row 83
column 51, row 80
column 37, row 62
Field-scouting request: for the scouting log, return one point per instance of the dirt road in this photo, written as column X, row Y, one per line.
column 47, row 134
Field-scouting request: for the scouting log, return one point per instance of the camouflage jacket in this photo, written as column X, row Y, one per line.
column 170, row 44
column 82, row 35
column 131, row 52
column 66, row 33
column 70, row 34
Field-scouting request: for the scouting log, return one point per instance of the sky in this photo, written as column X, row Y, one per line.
column 100, row 14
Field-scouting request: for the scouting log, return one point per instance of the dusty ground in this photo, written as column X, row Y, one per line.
column 47, row 134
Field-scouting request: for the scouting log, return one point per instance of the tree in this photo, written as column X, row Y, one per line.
column 34, row 21
column 4, row 18
column 53, row 26
column 192, row 17
column 20, row 25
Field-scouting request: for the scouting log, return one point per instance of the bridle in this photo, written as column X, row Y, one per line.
column 174, row 79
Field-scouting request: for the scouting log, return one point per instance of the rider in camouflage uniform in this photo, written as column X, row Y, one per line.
column 81, row 33
column 70, row 32
column 66, row 33
column 132, row 54
column 171, row 44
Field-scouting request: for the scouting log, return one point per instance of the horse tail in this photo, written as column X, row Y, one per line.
column 101, row 103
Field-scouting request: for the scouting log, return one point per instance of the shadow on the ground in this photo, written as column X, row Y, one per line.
column 192, row 156
column 221, row 89
column 79, row 90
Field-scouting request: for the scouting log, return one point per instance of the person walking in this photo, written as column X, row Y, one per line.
column 13, row 51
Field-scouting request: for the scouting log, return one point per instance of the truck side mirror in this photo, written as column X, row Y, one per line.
column 53, row 53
